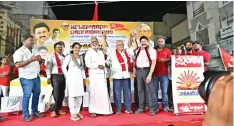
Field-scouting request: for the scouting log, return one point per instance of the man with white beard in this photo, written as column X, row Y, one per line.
column 99, row 102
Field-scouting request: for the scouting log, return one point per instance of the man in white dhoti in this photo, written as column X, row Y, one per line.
column 99, row 102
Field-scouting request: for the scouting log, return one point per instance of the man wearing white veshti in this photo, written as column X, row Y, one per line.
column 99, row 102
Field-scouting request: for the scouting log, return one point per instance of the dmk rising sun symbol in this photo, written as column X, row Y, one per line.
column 188, row 80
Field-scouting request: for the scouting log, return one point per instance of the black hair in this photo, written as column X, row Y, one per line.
column 41, row 24
column 196, row 42
column 73, row 45
column 27, row 36
column 63, row 44
column 189, row 41
column 59, row 43
column 144, row 37
column 4, row 57
column 56, row 30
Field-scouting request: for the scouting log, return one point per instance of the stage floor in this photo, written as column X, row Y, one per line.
column 160, row 119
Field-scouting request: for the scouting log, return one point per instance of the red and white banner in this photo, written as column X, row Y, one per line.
column 187, row 74
column 227, row 59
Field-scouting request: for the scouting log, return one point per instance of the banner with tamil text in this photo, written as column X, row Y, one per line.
column 48, row 32
column 187, row 74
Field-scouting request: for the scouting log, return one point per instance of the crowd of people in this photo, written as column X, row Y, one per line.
column 150, row 64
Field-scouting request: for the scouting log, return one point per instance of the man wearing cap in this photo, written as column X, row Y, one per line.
column 99, row 102
column 197, row 46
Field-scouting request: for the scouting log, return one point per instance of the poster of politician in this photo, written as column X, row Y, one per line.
column 48, row 32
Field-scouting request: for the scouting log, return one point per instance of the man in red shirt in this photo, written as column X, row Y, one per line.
column 188, row 48
column 199, row 52
column 161, row 72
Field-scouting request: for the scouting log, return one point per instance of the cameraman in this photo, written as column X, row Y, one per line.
column 220, row 103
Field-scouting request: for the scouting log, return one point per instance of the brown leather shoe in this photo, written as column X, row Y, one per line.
column 62, row 112
column 53, row 114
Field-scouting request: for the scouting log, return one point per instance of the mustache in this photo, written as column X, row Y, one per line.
column 42, row 36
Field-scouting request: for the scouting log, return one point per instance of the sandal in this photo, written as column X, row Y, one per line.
column 93, row 115
column 80, row 115
column 74, row 117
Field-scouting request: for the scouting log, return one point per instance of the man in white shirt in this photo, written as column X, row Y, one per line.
column 121, row 66
column 145, row 61
column 131, row 42
column 29, row 71
column 56, row 78
column 99, row 99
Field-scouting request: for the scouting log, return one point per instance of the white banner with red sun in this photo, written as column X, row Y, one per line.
column 187, row 74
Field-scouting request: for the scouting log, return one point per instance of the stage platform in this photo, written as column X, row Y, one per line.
column 160, row 119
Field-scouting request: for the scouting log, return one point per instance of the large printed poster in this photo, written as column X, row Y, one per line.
column 187, row 74
column 48, row 32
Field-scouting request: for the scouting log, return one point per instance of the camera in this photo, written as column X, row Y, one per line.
column 210, row 77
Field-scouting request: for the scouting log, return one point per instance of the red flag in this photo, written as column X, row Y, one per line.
column 228, row 60
column 95, row 14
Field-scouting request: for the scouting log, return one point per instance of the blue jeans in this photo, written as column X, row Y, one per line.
column 30, row 86
column 164, row 85
column 118, row 84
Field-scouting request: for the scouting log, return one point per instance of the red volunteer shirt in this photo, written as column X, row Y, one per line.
column 5, row 80
column 161, row 68
column 205, row 55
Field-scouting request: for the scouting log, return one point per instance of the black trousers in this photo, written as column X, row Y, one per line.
column 136, row 98
column 170, row 94
column 59, row 85
column 108, row 85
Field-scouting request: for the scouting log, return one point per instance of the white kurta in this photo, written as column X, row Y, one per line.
column 74, row 78
column 99, row 99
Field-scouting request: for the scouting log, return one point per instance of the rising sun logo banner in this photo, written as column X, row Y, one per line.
column 187, row 76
